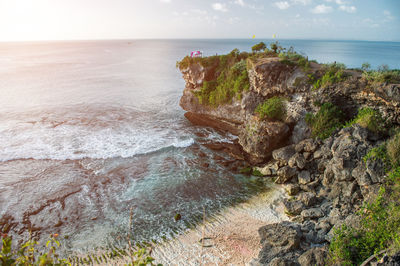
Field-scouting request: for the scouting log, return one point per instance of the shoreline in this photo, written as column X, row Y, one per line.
column 231, row 237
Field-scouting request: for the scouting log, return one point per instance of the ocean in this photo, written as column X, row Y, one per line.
column 90, row 130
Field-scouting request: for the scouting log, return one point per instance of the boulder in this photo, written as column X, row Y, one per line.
column 292, row 189
column 293, row 207
column 312, row 213
column 285, row 174
column 260, row 138
column 315, row 256
column 284, row 154
column 283, row 234
column 308, row 198
column 304, row 177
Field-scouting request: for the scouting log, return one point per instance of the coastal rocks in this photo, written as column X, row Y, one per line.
column 284, row 154
column 260, row 138
column 279, row 240
column 211, row 121
column 285, row 174
column 269, row 77
column 328, row 181
column 315, row 256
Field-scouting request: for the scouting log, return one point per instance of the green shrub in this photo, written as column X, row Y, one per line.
column 28, row 253
column 226, row 77
column 256, row 172
column 383, row 74
column 273, row 108
column 333, row 73
column 292, row 58
column 259, row 47
column 325, row 121
column 370, row 119
column 380, row 230
column 393, row 149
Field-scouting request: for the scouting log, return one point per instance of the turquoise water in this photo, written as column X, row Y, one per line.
column 91, row 129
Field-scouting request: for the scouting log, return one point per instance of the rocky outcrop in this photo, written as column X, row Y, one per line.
column 326, row 181
column 326, row 190
column 271, row 77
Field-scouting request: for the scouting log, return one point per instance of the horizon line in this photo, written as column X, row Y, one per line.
column 138, row 39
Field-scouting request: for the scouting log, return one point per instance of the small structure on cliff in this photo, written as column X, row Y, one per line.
column 196, row 54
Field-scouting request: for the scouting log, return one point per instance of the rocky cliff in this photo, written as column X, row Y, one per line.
column 327, row 180
column 271, row 77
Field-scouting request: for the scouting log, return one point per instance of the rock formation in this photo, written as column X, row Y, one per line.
column 326, row 181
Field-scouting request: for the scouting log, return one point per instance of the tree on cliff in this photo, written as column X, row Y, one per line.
column 259, row 47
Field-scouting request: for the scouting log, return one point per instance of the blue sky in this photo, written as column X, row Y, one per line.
column 126, row 19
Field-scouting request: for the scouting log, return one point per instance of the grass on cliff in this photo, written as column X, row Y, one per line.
column 226, row 77
column 290, row 57
column 370, row 119
column 273, row 108
column 381, row 75
column 380, row 218
column 325, row 121
column 332, row 74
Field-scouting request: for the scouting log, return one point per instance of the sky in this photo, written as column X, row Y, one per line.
column 31, row 20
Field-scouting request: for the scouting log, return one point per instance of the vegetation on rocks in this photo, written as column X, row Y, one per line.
column 325, row 121
column 273, row 108
column 381, row 75
column 291, row 57
column 333, row 73
column 226, row 77
column 370, row 119
column 380, row 218
column 259, row 47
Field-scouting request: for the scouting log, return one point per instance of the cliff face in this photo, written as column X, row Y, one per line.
column 270, row 77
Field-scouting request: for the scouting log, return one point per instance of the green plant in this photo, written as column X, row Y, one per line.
column 383, row 74
column 256, row 172
column 325, row 121
column 273, row 108
column 259, row 47
column 246, row 170
column 366, row 66
column 393, row 149
column 370, row 119
column 28, row 253
column 333, row 73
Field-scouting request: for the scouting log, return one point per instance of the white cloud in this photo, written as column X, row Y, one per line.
column 198, row 11
column 339, row 2
column 388, row 15
column 282, row 5
column 321, row 9
column 303, row 2
column 349, row 9
column 219, row 7
column 165, row 1
column 240, row 2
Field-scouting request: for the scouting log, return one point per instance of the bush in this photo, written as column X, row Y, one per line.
column 259, row 47
column 273, row 108
column 393, row 149
column 380, row 228
column 333, row 73
column 370, row 119
column 383, row 74
column 325, row 121
column 292, row 58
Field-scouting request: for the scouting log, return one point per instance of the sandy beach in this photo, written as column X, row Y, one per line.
column 231, row 238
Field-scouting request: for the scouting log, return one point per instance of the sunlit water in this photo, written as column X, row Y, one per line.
column 90, row 130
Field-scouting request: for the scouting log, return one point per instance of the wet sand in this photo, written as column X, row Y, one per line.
column 231, row 238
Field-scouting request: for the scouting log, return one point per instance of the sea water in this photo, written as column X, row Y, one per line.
column 90, row 130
